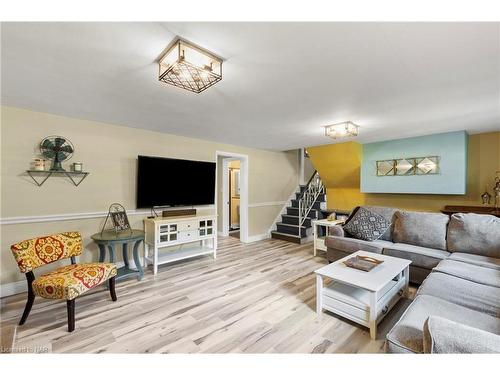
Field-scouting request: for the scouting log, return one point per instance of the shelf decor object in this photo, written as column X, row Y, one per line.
column 408, row 166
column 39, row 164
column 486, row 197
column 78, row 166
column 190, row 67
column 57, row 149
column 118, row 216
column 73, row 176
column 342, row 130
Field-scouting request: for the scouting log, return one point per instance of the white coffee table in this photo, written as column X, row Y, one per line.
column 363, row 297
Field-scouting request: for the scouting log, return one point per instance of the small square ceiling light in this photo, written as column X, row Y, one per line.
column 190, row 67
column 342, row 130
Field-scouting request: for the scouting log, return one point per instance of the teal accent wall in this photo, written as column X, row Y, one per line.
column 451, row 149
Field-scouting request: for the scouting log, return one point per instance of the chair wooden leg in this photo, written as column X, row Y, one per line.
column 27, row 308
column 31, row 297
column 112, row 288
column 70, row 305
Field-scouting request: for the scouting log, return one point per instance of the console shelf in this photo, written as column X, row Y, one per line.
column 172, row 239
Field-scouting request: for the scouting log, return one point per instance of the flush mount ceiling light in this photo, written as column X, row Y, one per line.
column 342, row 130
column 190, row 67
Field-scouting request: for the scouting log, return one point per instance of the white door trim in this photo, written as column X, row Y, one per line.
column 244, row 166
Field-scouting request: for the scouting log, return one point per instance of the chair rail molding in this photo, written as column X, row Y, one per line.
column 73, row 216
column 264, row 204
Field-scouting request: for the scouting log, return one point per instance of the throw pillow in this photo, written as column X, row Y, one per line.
column 366, row 225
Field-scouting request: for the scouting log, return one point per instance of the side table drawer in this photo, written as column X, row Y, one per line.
column 354, row 303
column 346, row 310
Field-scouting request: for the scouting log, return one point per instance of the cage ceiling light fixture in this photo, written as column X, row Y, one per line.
column 342, row 130
column 190, row 67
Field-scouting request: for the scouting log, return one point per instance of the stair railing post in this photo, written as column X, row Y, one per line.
column 300, row 215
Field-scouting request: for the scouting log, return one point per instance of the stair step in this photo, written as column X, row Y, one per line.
column 294, row 211
column 316, row 205
column 292, row 219
column 321, row 197
column 286, row 237
column 293, row 229
column 291, row 237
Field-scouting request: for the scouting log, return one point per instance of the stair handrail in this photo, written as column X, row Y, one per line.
column 308, row 197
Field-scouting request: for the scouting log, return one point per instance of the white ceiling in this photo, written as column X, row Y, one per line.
column 281, row 81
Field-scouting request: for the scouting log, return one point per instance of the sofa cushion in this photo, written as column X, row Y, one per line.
column 366, row 225
column 471, row 272
column 423, row 257
column 336, row 230
column 424, row 229
column 443, row 336
column 388, row 214
column 475, row 234
column 478, row 260
column 407, row 335
column 351, row 245
column 474, row 296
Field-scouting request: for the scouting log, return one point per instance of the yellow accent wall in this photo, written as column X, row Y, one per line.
column 339, row 165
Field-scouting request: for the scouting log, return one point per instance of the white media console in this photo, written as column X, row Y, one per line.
column 174, row 238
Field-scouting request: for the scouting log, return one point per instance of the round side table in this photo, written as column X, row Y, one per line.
column 109, row 238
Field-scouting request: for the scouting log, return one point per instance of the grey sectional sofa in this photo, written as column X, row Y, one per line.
column 457, row 261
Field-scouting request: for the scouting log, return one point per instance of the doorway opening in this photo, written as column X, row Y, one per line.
column 232, row 195
column 234, row 198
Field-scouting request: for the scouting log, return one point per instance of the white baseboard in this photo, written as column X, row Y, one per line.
column 258, row 237
column 21, row 286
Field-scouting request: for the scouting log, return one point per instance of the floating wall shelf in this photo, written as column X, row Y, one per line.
column 46, row 174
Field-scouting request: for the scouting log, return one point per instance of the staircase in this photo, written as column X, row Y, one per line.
column 295, row 225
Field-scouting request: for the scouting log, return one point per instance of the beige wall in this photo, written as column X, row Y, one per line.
column 109, row 153
column 308, row 169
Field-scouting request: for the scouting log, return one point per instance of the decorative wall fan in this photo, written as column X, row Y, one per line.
column 57, row 149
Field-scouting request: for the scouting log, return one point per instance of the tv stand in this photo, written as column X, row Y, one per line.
column 176, row 238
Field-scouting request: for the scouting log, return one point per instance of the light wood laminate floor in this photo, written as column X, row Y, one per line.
column 254, row 298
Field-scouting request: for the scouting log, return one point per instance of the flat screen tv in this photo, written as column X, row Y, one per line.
column 165, row 182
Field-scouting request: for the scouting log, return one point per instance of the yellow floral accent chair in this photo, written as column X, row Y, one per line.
column 66, row 282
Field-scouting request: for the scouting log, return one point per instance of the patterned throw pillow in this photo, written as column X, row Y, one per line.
column 366, row 225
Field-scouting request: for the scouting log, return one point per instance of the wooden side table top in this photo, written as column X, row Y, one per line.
column 124, row 236
column 327, row 223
